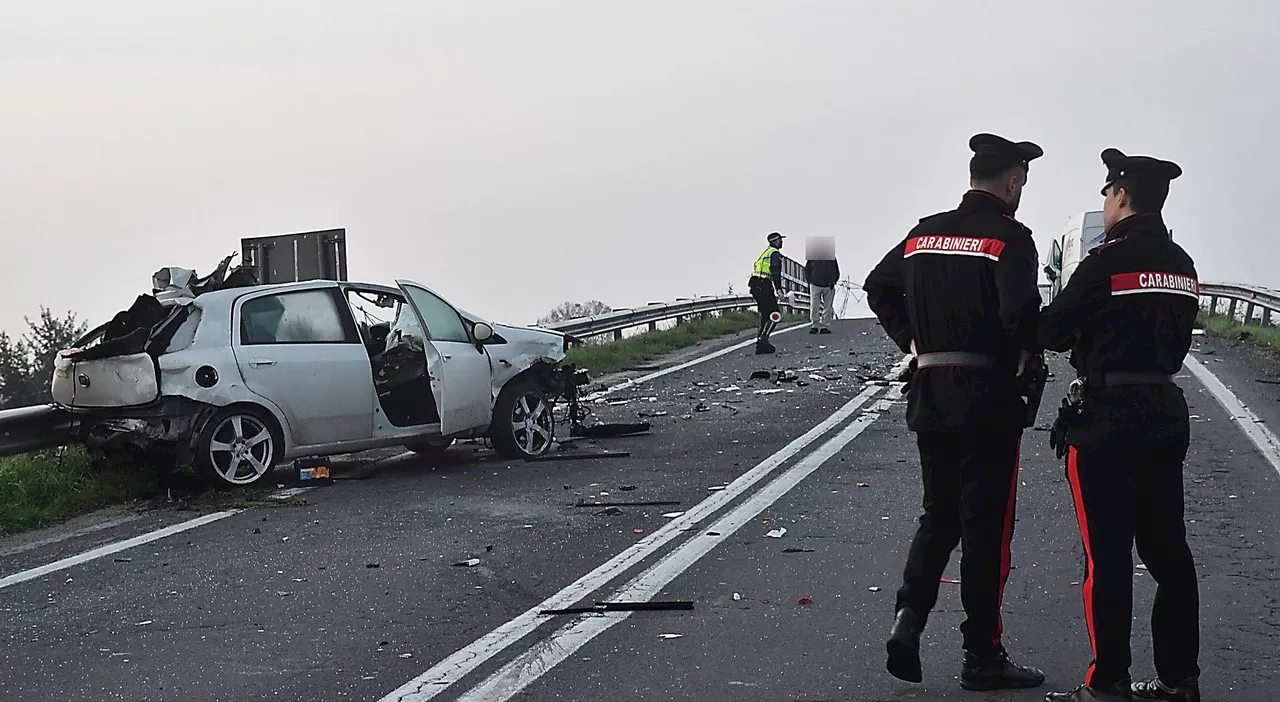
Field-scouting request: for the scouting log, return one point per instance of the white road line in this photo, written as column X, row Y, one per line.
column 117, row 547
column 1250, row 424
column 688, row 364
column 551, row 651
column 477, row 653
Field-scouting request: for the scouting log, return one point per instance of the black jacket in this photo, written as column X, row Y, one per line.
column 962, row 280
column 824, row 274
column 1130, row 305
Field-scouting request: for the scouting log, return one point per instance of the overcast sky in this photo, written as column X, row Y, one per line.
column 516, row 154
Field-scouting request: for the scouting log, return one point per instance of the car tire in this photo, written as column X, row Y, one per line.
column 244, row 435
column 430, row 447
column 513, row 437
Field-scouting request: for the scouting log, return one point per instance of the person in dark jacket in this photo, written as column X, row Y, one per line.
column 960, row 294
column 821, row 272
column 1127, row 316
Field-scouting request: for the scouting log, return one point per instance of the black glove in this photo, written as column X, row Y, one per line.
column 1058, row 432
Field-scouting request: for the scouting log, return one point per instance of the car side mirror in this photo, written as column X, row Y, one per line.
column 482, row 332
column 1052, row 274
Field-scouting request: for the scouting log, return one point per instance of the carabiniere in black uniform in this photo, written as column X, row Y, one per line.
column 1127, row 313
column 961, row 291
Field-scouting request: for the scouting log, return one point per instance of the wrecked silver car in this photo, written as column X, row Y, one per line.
column 231, row 377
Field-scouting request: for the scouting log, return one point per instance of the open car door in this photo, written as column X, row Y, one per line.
column 461, row 379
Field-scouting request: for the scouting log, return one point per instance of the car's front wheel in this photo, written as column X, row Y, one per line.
column 523, row 421
column 238, row 447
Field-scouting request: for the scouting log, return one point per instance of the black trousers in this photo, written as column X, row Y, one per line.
column 767, row 302
column 1127, row 491
column 970, row 493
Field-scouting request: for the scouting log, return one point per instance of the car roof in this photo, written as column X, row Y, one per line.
column 227, row 296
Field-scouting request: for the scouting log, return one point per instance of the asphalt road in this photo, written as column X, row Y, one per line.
column 355, row 594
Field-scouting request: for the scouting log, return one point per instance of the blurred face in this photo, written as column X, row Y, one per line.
column 776, row 242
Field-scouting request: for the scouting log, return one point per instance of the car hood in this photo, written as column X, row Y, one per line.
column 530, row 339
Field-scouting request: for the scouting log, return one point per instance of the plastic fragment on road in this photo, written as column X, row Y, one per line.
column 737, row 597
column 672, row 515
column 761, row 375
column 608, row 512
column 770, row 391
column 729, row 388
column 468, row 563
column 670, row 636
column 951, row 581
column 804, row 601
column 147, row 622
column 406, row 655
column 863, row 485
column 717, row 488
column 777, row 533
column 874, row 589
column 797, row 550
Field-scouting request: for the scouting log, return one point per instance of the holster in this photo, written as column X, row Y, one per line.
column 1068, row 416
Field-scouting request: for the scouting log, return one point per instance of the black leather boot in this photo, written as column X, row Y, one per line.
column 994, row 671
column 1115, row 693
column 904, row 647
column 1154, row 689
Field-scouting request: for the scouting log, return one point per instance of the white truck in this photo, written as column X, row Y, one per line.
column 1084, row 232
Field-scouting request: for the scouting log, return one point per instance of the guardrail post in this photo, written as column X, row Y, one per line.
column 653, row 326
column 1213, row 304
column 1266, row 316
column 1231, row 310
column 617, row 335
column 1248, row 313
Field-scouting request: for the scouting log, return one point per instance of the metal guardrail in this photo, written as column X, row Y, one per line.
column 621, row 319
column 1251, row 297
column 1242, row 302
column 618, row 320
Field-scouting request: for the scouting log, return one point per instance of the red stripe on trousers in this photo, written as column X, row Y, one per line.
column 1073, row 475
column 1006, row 541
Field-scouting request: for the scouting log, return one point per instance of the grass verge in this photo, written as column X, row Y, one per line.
column 1225, row 327
column 629, row 352
column 38, row 489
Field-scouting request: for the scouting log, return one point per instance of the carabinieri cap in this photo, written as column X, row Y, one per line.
column 1008, row 153
column 1153, row 172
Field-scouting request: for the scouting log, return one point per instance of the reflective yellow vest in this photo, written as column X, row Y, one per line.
column 762, row 269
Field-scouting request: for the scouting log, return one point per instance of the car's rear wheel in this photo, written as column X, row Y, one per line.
column 430, row 447
column 238, row 447
column 523, row 421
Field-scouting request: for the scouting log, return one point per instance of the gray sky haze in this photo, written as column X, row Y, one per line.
column 514, row 155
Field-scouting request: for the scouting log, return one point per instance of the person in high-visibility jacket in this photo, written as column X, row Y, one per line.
column 766, row 287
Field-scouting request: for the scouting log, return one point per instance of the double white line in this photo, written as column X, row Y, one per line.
column 536, row 661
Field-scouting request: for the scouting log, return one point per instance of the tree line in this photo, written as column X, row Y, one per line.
column 26, row 361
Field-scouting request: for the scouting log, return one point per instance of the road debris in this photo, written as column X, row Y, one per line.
column 797, row 550
column 608, row 512
column 670, row 636
column 777, row 533
column 874, row 589
column 761, row 375
column 468, row 563
column 659, row 606
column 737, row 597
column 672, row 515
column 804, row 601
column 651, row 503
column 577, row 456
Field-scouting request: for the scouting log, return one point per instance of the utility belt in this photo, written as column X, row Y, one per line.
column 956, row 359
column 1079, row 390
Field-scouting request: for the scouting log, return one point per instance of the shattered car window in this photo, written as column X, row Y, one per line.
column 309, row 316
column 442, row 321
